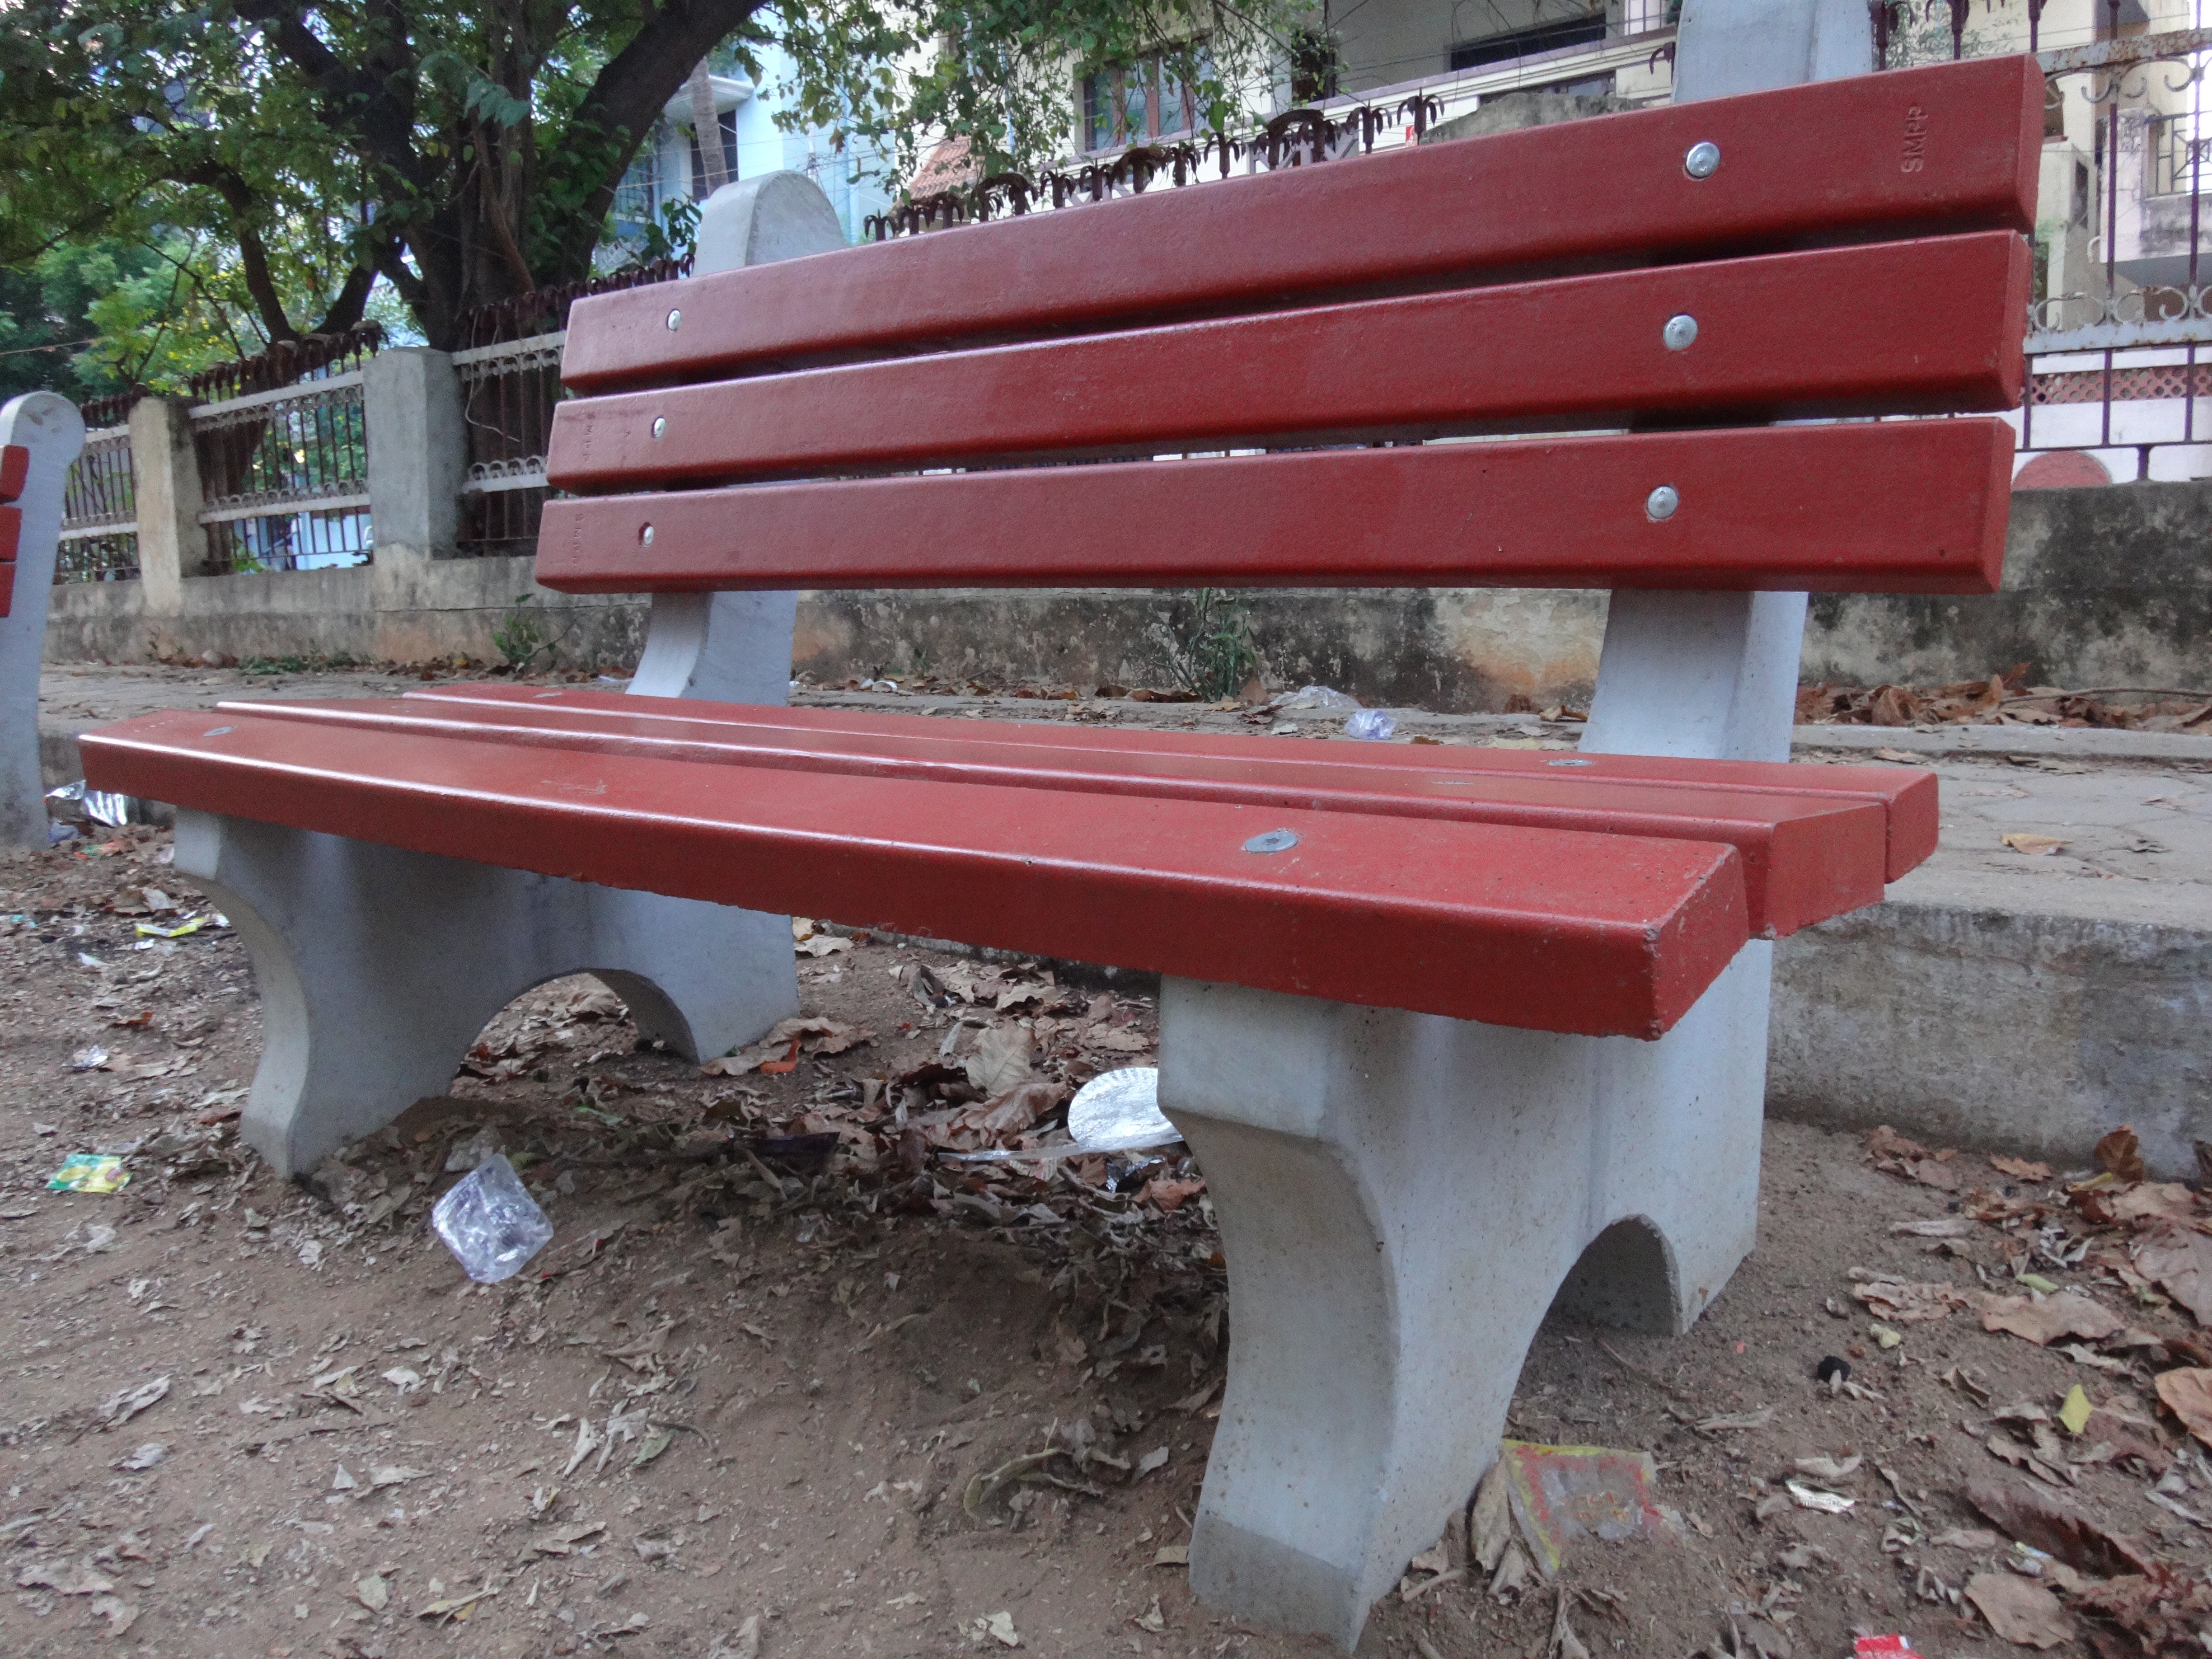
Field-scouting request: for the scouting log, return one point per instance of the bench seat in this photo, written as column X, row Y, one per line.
column 1599, row 895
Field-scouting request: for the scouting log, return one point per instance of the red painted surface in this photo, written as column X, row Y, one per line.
column 2061, row 469
column 1800, row 164
column 7, row 585
column 11, row 533
column 1788, row 335
column 1551, row 929
column 15, row 471
column 1806, row 856
column 1893, row 506
column 1907, row 796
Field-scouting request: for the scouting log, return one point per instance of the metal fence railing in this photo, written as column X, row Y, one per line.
column 508, row 391
column 99, row 511
column 284, row 477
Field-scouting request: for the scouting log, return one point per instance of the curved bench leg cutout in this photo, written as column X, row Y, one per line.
column 1401, row 1197
column 378, row 968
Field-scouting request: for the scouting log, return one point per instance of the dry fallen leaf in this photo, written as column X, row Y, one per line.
column 1001, row 1059
column 2026, row 1614
column 2049, row 1524
column 2152, row 1201
column 2068, row 1314
column 779, row 1051
column 2187, row 1393
column 2026, row 841
column 2180, row 1262
column 2021, row 1167
column 1907, row 1303
column 2121, row 1152
column 63, row 1580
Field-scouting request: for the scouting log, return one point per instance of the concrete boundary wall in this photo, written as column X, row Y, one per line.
column 2103, row 586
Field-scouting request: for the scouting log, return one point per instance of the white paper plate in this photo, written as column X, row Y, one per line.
column 1120, row 1111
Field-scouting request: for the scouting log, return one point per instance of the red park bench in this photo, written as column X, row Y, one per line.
column 1451, row 1030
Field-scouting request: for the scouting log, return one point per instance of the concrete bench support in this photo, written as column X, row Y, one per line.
column 48, row 426
column 378, row 967
column 1402, row 1197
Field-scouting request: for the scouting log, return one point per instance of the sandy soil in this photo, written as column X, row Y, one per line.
column 735, row 1387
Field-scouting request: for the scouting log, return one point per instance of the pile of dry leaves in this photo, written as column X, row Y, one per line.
column 2003, row 699
column 2144, row 1242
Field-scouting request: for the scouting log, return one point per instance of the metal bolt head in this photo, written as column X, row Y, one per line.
column 1702, row 161
column 675, row 321
column 661, row 426
column 1658, row 506
column 1273, row 841
column 645, row 536
column 1681, row 332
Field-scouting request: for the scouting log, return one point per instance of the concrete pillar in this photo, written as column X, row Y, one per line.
column 172, row 543
column 418, row 454
column 50, row 427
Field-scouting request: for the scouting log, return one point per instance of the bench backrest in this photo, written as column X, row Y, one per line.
column 905, row 414
column 15, row 472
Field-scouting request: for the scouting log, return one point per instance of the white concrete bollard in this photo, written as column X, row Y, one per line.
column 46, row 424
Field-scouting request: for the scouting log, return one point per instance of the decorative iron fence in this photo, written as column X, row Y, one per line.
column 99, row 511
column 284, row 477
column 508, row 392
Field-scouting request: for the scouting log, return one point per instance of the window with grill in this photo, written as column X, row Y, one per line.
column 1152, row 100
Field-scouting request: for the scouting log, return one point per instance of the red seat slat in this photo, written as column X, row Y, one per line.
column 1802, row 162
column 1786, row 335
column 1554, row 929
column 1805, row 858
column 1779, row 507
column 15, row 471
column 1907, row 796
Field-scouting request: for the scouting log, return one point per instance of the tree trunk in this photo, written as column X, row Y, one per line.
column 707, row 129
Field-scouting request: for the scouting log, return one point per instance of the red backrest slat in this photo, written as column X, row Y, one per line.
column 1781, row 336
column 15, row 469
column 1856, row 157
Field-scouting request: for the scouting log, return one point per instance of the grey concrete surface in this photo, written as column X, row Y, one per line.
column 2103, row 586
column 1997, row 998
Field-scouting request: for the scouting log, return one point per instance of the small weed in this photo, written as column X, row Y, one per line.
column 316, row 663
column 526, row 636
column 1208, row 639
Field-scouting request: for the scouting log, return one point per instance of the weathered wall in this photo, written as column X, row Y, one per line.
column 1894, row 1015
column 2103, row 586
column 2106, row 585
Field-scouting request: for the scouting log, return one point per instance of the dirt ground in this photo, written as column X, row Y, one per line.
column 781, row 1340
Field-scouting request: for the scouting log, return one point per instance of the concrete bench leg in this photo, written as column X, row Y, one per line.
column 378, row 968
column 1401, row 1197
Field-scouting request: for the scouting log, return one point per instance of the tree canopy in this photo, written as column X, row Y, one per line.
column 275, row 157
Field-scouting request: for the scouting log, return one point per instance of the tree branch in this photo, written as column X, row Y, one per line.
column 629, row 95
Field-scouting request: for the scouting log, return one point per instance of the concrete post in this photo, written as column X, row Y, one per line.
column 418, row 455
column 172, row 543
column 50, row 427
